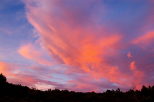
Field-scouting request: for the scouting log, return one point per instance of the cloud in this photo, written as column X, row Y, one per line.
column 29, row 51
column 83, row 51
column 5, row 68
column 129, row 55
column 138, row 75
column 145, row 39
column 15, row 73
column 11, row 71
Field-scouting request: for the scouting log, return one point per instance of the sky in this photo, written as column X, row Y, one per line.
column 78, row 45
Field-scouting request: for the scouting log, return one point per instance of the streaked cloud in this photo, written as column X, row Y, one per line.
column 145, row 40
column 82, row 45
column 74, row 37
column 30, row 52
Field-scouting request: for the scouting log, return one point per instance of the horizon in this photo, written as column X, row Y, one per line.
column 78, row 45
column 4, row 82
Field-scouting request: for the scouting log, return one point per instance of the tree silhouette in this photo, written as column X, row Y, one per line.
column 2, row 79
column 17, row 93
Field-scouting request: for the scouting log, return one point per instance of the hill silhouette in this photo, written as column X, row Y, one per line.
column 18, row 93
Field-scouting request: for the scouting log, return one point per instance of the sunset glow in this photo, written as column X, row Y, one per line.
column 79, row 45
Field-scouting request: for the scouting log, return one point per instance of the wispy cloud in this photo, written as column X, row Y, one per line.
column 30, row 52
column 84, row 45
column 73, row 36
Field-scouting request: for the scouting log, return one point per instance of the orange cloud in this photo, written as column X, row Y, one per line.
column 129, row 55
column 9, row 70
column 30, row 52
column 3, row 67
column 144, row 39
column 133, row 65
column 80, row 44
column 15, row 74
column 137, row 74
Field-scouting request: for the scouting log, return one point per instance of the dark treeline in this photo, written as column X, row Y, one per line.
column 17, row 93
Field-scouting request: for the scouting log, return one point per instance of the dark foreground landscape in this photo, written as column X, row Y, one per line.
column 17, row 93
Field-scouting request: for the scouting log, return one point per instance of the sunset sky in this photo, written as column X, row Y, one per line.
column 79, row 45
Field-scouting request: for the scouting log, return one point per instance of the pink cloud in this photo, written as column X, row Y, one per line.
column 145, row 39
column 129, row 55
column 30, row 52
column 85, row 54
column 26, row 75
column 5, row 68
column 138, row 75
column 82, row 46
column 11, row 71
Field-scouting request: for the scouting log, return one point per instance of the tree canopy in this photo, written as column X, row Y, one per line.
column 17, row 93
column 2, row 79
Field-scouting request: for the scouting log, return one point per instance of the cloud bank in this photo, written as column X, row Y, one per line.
column 75, row 34
column 94, row 45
